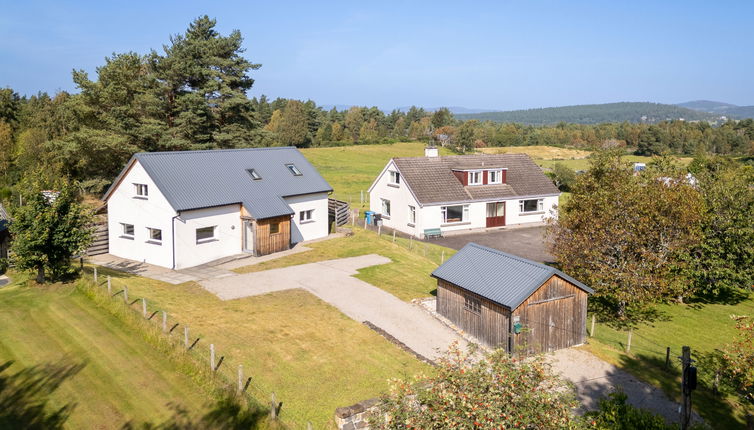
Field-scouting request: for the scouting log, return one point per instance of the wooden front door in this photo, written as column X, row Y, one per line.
column 495, row 214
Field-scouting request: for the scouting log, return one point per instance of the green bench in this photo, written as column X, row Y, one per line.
column 432, row 232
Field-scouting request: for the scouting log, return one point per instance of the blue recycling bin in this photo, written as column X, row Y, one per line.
column 369, row 216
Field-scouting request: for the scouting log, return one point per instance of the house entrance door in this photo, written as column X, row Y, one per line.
column 495, row 214
column 248, row 236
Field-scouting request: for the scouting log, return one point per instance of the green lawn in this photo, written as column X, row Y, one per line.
column 123, row 377
column 312, row 356
column 407, row 277
column 703, row 328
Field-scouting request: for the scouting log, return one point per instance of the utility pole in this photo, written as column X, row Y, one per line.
column 688, row 384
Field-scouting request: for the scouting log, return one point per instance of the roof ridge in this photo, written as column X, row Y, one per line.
column 194, row 151
column 511, row 256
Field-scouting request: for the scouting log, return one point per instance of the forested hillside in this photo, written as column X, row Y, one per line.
column 720, row 108
column 639, row 112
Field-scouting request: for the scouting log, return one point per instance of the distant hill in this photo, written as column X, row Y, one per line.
column 720, row 108
column 594, row 114
column 455, row 110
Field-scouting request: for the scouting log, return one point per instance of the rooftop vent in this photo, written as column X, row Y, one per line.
column 254, row 174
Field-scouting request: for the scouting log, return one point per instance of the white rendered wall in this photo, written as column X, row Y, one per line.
column 227, row 240
column 154, row 212
column 513, row 215
column 400, row 198
column 308, row 230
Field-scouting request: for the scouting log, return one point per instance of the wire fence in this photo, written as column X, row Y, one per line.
column 193, row 354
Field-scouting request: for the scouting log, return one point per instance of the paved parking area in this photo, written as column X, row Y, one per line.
column 527, row 242
column 333, row 282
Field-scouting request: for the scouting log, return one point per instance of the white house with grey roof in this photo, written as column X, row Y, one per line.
column 185, row 208
column 418, row 195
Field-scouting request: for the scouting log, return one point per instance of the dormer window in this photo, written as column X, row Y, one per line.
column 142, row 190
column 395, row 178
column 254, row 174
column 495, row 177
column 293, row 169
column 475, row 178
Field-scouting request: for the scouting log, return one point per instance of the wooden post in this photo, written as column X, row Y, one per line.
column 685, row 393
column 410, row 241
column 442, row 260
column 81, row 263
column 164, row 321
column 144, row 307
column 186, row 336
column 628, row 344
column 109, row 286
column 379, row 230
column 212, row 356
column 274, row 407
column 125, row 295
column 95, row 275
column 240, row 378
column 591, row 333
column 393, row 242
column 309, row 425
column 667, row 358
column 716, row 383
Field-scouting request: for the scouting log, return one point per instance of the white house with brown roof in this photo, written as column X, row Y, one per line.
column 462, row 192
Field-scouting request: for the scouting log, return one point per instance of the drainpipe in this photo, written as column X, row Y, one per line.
column 172, row 235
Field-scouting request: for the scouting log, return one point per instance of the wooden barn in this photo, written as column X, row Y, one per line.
column 511, row 302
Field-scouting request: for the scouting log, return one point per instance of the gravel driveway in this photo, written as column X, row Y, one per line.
column 333, row 282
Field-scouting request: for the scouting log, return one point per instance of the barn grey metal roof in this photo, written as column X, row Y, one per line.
column 201, row 179
column 432, row 180
column 4, row 218
column 496, row 275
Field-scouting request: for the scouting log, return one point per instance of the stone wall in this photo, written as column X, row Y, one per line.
column 356, row 416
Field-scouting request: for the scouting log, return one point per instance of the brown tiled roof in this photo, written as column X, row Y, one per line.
column 432, row 179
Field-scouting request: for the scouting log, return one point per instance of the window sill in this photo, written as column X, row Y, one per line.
column 393, row 185
column 308, row 221
column 154, row 242
column 141, row 198
column 387, row 217
column 126, row 237
column 411, row 224
column 532, row 213
column 199, row 242
column 452, row 224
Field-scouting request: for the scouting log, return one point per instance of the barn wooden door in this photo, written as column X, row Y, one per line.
column 495, row 214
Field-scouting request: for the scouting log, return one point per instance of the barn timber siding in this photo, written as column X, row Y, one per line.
column 554, row 317
column 490, row 326
column 267, row 243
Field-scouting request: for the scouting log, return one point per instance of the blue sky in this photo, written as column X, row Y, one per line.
column 496, row 55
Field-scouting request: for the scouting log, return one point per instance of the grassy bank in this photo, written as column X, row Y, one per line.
column 702, row 327
column 123, row 377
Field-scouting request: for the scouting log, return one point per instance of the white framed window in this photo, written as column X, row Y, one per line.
column 127, row 231
column 254, row 174
column 395, row 178
column 472, row 304
column 475, row 178
column 531, row 205
column 495, row 177
column 385, row 207
column 205, row 234
column 142, row 190
column 155, row 235
column 294, row 170
column 454, row 214
column 411, row 214
column 306, row 216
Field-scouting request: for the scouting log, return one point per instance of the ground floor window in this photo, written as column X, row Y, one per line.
column 128, row 231
column 205, row 234
column 531, row 205
column 411, row 214
column 472, row 304
column 385, row 207
column 274, row 227
column 305, row 216
column 451, row 214
column 155, row 235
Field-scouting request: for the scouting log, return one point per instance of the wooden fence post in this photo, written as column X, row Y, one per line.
column 379, row 230
column 274, row 407
column 95, row 276
column 410, row 241
column 164, row 321
column 125, row 295
column 109, row 286
column 667, row 358
column 144, row 306
column 212, row 356
column 393, row 242
column 591, row 333
column 186, row 336
column 240, row 378
column 309, row 425
column 442, row 258
column 628, row 344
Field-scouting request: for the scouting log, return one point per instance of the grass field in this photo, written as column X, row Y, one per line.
column 703, row 328
column 123, row 378
column 312, row 356
column 538, row 152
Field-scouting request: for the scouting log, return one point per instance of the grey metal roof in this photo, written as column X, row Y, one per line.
column 4, row 218
column 200, row 179
column 501, row 277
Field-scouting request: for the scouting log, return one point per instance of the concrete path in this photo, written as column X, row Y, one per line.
column 595, row 379
column 333, row 282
